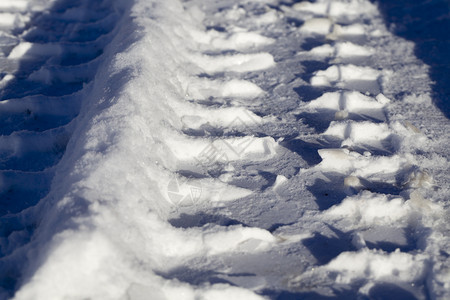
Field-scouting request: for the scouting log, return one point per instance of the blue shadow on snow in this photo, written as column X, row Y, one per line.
column 427, row 24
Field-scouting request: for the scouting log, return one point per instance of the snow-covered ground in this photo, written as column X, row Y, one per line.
column 168, row 149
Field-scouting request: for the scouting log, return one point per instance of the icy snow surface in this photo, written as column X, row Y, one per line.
column 169, row 149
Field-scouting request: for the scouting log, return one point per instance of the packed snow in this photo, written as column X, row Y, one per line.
column 187, row 149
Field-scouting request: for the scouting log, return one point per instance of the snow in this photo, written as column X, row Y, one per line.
column 343, row 50
column 370, row 209
column 202, row 89
column 395, row 266
column 341, row 11
column 14, row 5
column 235, row 63
column 344, row 73
column 319, row 26
column 241, row 41
column 217, row 150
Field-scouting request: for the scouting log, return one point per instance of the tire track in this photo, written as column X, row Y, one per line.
column 245, row 149
column 50, row 63
column 360, row 163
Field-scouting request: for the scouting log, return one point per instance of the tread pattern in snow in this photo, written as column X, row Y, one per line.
column 51, row 57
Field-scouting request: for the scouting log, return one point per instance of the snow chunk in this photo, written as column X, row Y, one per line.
column 371, row 209
column 368, row 208
column 13, row 20
column 318, row 8
column 7, row 19
column 222, row 150
column 20, row 50
column 347, row 31
column 270, row 17
column 342, row 50
column 376, row 265
column 320, row 26
column 349, row 162
column 344, row 73
column 359, row 132
column 343, row 11
column 279, row 182
column 241, row 41
column 382, row 99
column 20, row 5
column 324, row 50
column 348, row 49
column 352, row 77
column 235, row 63
column 7, row 78
column 240, row 88
column 350, row 10
column 202, row 89
column 352, row 101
